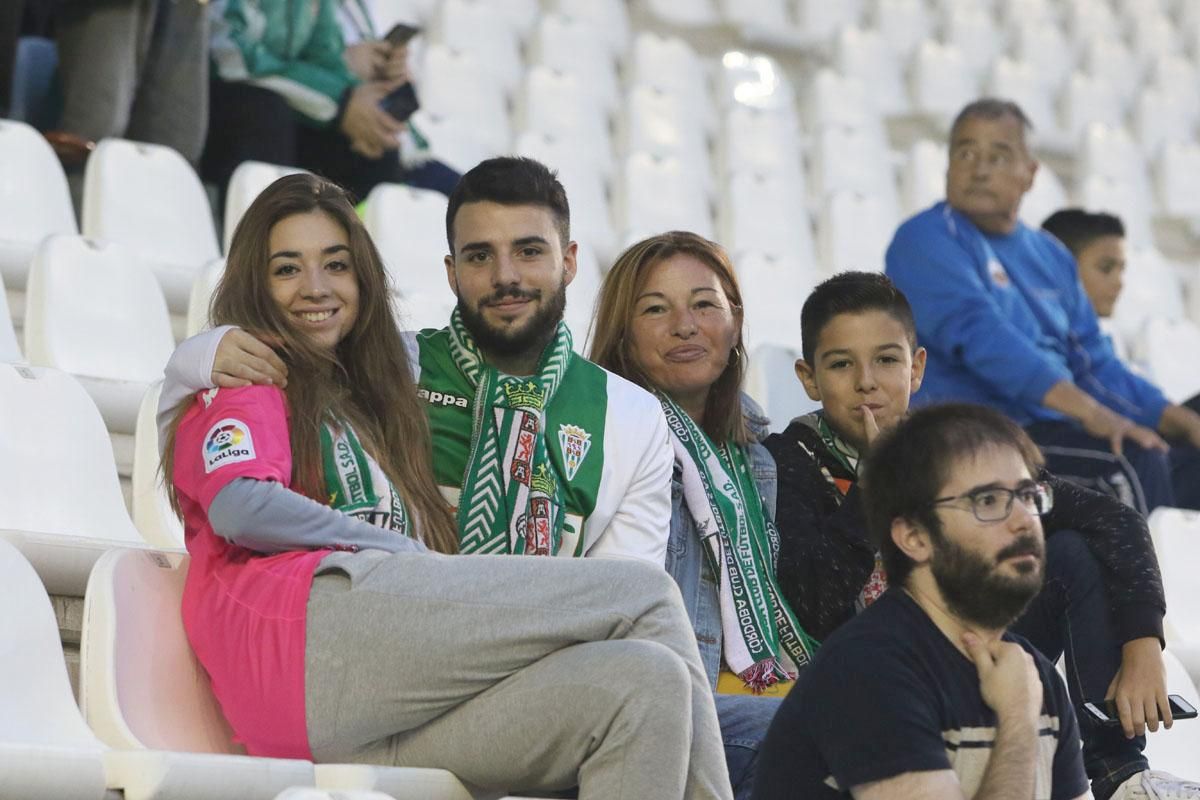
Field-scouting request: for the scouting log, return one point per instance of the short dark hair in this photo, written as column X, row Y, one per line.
column 991, row 108
column 909, row 465
column 511, row 181
column 1077, row 228
column 852, row 293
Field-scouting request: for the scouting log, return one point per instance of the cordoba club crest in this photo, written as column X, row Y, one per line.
column 575, row 442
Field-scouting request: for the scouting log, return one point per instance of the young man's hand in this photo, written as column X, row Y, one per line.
column 1008, row 679
column 1139, row 689
column 245, row 359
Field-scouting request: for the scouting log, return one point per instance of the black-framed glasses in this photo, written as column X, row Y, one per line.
column 994, row 504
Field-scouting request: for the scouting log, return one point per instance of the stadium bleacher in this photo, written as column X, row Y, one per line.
column 798, row 133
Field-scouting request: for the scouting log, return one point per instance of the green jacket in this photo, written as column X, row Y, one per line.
column 293, row 47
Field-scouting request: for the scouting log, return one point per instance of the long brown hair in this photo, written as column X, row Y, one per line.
column 366, row 382
column 611, row 345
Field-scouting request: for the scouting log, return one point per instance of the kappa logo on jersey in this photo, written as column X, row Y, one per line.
column 209, row 396
column 441, row 399
column 227, row 442
column 575, row 443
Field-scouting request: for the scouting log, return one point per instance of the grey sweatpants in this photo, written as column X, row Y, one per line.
column 136, row 69
column 514, row 673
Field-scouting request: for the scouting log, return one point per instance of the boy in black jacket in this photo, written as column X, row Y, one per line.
column 1103, row 601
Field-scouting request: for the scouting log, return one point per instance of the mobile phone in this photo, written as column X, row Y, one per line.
column 400, row 34
column 1105, row 712
column 401, row 103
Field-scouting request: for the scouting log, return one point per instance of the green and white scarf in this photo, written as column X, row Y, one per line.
column 356, row 485
column 511, row 498
column 764, row 643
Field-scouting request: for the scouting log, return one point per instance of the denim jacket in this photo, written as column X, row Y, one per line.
column 685, row 558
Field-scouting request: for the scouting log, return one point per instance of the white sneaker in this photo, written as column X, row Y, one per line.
column 1155, row 785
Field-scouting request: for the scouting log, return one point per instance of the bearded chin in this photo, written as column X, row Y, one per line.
column 509, row 342
column 976, row 592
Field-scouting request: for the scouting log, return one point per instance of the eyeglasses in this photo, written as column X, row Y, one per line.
column 995, row 504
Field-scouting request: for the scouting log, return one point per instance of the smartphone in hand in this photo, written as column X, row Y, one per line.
column 400, row 34
column 1105, row 712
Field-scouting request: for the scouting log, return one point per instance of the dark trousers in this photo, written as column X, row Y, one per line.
column 1071, row 616
column 1144, row 479
column 250, row 123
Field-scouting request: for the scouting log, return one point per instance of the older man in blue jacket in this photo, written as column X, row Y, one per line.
column 1005, row 320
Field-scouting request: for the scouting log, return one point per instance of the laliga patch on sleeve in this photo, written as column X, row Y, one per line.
column 227, row 442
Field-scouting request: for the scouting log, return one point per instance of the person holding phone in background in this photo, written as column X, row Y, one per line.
column 285, row 90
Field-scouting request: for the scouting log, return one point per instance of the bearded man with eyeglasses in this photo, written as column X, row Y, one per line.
column 927, row 693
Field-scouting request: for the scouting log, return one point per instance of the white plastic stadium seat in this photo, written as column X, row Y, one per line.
column 1169, row 351
column 608, row 19
column 62, row 506
column 94, row 311
column 752, row 138
column 152, row 512
column 866, row 55
column 34, row 199
column 10, row 351
column 1176, row 170
column 833, row 99
column 661, row 123
column 853, row 160
column 822, row 19
column 569, row 44
column 409, row 229
column 766, row 211
column 557, row 103
column 669, row 63
column 773, row 290
column 1152, row 291
column 660, row 194
column 940, row 81
column 854, row 232
column 771, row 380
column 46, row 749
column 202, row 291
column 1162, row 116
column 147, row 198
column 905, row 21
column 923, row 177
column 142, row 687
column 1152, row 35
column 684, row 13
column 1176, row 534
column 1088, row 21
column 246, row 183
column 975, row 33
column 479, row 27
column 1020, row 82
column 1109, row 59
column 754, row 80
column 1044, row 47
column 584, row 182
column 1087, row 99
column 456, row 85
column 581, row 296
column 1045, row 197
